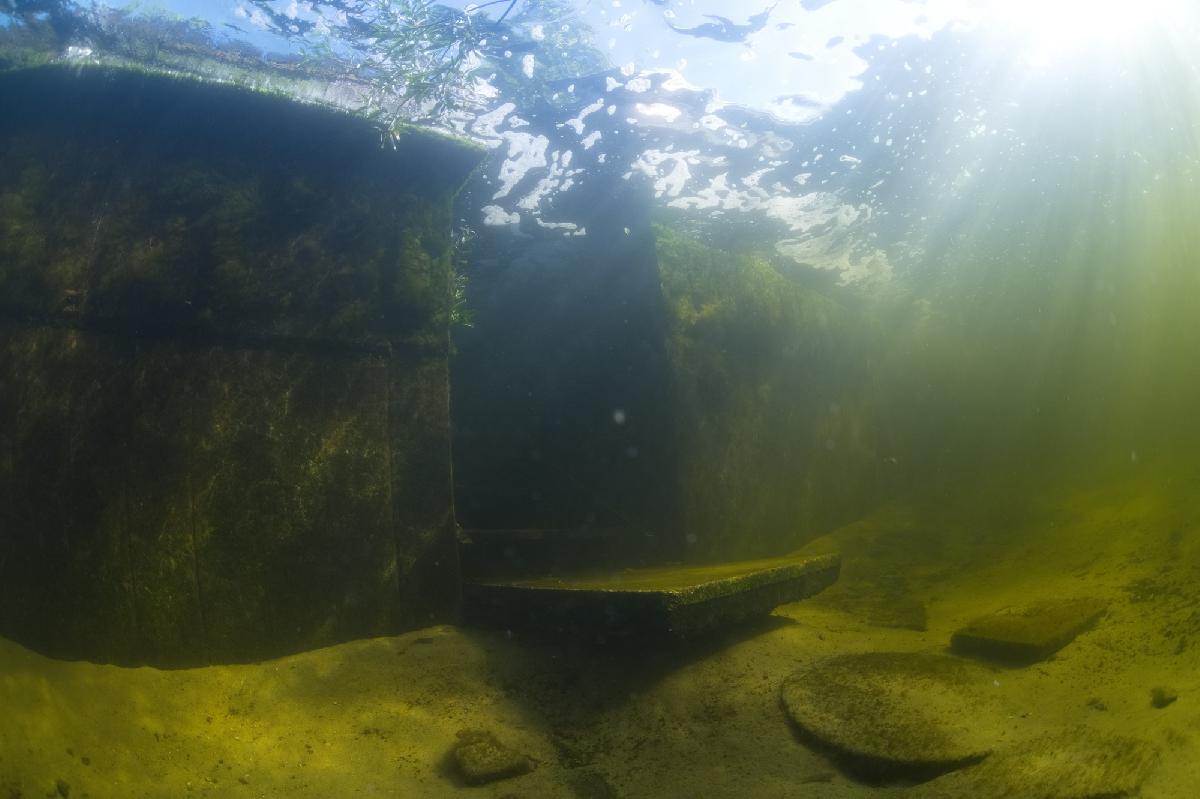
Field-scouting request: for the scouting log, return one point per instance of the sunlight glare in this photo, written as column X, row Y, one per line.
column 1057, row 27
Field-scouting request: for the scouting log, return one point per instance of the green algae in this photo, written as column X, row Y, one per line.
column 229, row 333
column 890, row 714
column 779, row 427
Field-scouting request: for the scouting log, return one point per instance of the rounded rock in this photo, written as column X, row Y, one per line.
column 895, row 713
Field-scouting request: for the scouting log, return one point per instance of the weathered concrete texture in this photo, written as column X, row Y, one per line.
column 889, row 715
column 223, row 335
column 202, row 503
column 778, row 424
column 1028, row 633
column 422, row 493
column 1079, row 763
column 680, row 601
column 205, row 209
column 290, row 498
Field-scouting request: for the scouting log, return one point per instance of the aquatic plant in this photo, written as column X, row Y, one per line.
column 461, row 314
column 423, row 60
column 416, row 50
column 403, row 60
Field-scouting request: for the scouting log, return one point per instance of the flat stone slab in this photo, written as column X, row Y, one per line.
column 896, row 714
column 682, row 601
column 1028, row 633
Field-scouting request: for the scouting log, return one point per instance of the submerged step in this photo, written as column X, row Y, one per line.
column 682, row 601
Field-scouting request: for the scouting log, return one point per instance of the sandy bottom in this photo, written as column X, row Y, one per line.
column 378, row 717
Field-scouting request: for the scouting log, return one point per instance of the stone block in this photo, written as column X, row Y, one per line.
column 679, row 601
column 223, row 344
column 888, row 715
column 1028, row 633
column 209, row 210
column 480, row 758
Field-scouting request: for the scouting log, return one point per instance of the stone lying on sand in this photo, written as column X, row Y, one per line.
column 892, row 714
column 481, row 758
column 1028, row 633
column 1161, row 696
column 1072, row 764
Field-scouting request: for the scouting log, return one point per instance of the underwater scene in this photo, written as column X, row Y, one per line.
column 600, row 399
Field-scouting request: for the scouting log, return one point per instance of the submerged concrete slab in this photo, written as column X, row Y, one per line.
column 888, row 715
column 682, row 601
column 1028, row 633
column 224, row 347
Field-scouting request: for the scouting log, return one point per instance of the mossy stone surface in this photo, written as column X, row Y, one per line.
column 778, row 421
column 192, row 503
column 214, row 211
column 1028, row 633
column 893, row 714
column 678, row 601
column 291, row 497
column 223, row 330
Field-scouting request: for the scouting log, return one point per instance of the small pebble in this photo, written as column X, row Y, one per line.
column 1161, row 696
column 481, row 758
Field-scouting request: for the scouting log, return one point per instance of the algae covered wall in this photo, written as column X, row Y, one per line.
column 780, row 419
column 223, row 349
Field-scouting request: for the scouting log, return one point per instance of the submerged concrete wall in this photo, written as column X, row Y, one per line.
column 694, row 405
column 223, row 372
column 560, row 384
column 782, row 428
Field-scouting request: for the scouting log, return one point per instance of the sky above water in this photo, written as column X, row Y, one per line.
column 847, row 127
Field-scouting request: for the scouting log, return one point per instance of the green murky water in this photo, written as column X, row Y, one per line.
column 402, row 399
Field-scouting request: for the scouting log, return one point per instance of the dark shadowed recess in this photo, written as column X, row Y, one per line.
column 561, row 390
